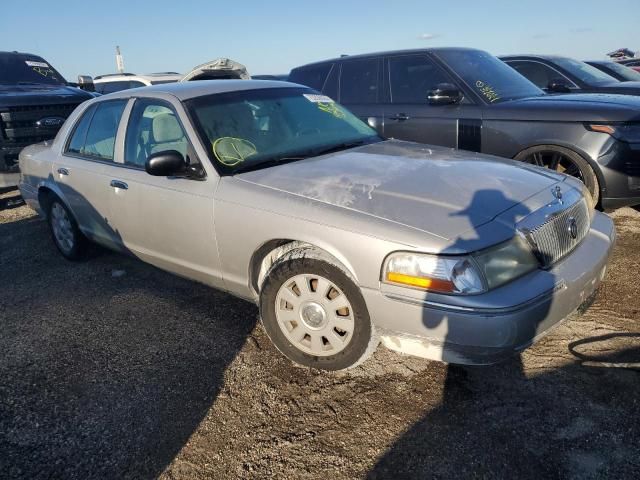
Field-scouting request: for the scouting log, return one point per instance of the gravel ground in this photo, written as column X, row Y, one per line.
column 113, row 369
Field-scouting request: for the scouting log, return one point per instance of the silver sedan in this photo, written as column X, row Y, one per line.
column 280, row 196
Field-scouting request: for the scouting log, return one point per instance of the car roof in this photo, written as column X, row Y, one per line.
column 199, row 88
column 116, row 77
column 390, row 52
column 530, row 55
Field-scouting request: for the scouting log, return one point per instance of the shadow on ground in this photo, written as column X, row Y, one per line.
column 107, row 367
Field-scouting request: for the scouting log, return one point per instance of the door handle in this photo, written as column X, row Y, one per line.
column 63, row 171
column 119, row 184
column 401, row 117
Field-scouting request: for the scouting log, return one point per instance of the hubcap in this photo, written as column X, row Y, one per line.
column 62, row 229
column 314, row 315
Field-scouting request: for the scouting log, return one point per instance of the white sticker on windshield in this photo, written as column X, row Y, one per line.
column 317, row 98
column 36, row 64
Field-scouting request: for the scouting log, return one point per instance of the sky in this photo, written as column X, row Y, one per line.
column 273, row 36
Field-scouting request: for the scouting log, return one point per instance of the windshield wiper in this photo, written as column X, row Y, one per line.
column 339, row 147
column 310, row 153
column 272, row 162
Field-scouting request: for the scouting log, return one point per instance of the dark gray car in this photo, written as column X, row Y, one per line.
column 468, row 99
column 556, row 74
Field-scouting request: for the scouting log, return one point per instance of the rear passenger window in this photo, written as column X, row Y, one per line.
column 76, row 144
column 100, row 136
column 359, row 81
column 411, row 77
column 313, row 77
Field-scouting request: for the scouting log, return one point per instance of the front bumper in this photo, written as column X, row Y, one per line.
column 489, row 328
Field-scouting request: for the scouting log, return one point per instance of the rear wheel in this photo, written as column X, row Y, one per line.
column 65, row 232
column 315, row 314
column 565, row 161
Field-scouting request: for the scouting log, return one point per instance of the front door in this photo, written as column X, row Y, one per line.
column 409, row 116
column 165, row 221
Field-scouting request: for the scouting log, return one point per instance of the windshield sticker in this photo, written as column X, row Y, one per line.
column 37, row 64
column 488, row 91
column 332, row 108
column 231, row 151
column 317, row 98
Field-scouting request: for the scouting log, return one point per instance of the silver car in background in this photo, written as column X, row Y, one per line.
column 279, row 195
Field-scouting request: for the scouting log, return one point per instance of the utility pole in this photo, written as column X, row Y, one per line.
column 119, row 61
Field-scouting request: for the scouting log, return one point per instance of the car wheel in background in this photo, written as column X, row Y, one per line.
column 315, row 314
column 65, row 232
column 565, row 161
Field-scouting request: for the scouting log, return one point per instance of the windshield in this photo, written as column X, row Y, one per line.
column 625, row 74
column 252, row 129
column 585, row 72
column 489, row 77
column 17, row 69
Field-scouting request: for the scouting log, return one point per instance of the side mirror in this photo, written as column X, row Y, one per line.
column 169, row 163
column 558, row 85
column 85, row 82
column 444, row 94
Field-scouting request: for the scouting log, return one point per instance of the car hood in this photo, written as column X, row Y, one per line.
column 435, row 190
column 570, row 107
column 37, row 94
column 625, row 88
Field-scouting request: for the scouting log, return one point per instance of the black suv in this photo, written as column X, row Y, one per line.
column 35, row 100
column 467, row 98
column 557, row 74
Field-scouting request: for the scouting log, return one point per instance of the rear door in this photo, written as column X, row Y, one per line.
column 360, row 90
column 408, row 115
column 80, row 172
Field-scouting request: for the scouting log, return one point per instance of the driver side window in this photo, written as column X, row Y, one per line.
column 411, row 77
column 153, row 127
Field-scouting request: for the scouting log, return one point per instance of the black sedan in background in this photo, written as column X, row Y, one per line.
column 468, row 99
column 616, row 70
column 556, row 74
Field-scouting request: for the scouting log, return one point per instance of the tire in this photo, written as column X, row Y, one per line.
column 336, row 336
column 571, row 163
column 67, row 237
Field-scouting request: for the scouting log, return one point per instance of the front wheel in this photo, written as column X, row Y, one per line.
column 565, row 161
column 315, row 314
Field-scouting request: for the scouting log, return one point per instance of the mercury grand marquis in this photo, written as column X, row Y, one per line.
column 277, row 194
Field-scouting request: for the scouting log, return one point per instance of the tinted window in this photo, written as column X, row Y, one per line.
column 110, row 87
column 101, row 135
column 76, row 144
column 359, row 81
column 136, row 84
column 19, row 68
column 313, row 76
column 493, row 80
column 585, row 72
column 153, row 127
column 621, row 72
column 412, row 76
column 538, row 73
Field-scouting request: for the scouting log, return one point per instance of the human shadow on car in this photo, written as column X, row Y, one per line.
column 105, row 376
column 453, row 438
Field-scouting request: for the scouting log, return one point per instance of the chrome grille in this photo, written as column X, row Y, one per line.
column 554, row 237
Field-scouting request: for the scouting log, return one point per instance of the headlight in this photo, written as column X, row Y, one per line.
column 456, row 275
column 506, row 262
column 627, row 132
column 461, row 275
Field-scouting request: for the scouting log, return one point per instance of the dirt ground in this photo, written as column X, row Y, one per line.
column 113, row 369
